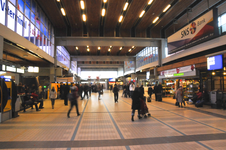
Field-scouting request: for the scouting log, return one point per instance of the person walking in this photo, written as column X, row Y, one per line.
column 131, row 88
column 90, row 90
column 124, row 91
column 52, row 96
column 127, row 90
column 179, row 96
column 99, row 90
column 86, row 88
column 80, row 91
column 136, row 103
column 66, row 91
column 150, row 91
column 142, row 90
column 156, row 90
column 73, row 96
column 115, row 91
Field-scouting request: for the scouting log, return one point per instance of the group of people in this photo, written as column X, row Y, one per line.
column 31, row 96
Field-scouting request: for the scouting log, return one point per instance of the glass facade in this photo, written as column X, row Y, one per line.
column 26, row 18
column 146, row 56
column 63, row 56
column 222, row 23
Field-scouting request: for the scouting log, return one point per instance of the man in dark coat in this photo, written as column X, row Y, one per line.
column 115, row 91
column 86, row 88
column 80, row 91
column 90, row 90
column 127, row 90
column 142, row 90
column 61, row 90
column 156, row 91
column 124, row 91
column 66, row 91
column 150, row 91
column 136, row 103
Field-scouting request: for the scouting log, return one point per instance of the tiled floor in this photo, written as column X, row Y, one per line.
column 105, row 125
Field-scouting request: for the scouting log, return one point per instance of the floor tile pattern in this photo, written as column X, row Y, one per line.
column 106, row 125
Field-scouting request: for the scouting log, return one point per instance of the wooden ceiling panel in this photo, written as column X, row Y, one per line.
column 113, row 12
column 76, row 32
column 133, row 13
column 140, row 33
column 93, row 8
column 54, row 14
column 155, row 10
column 172, row 13
column 136, row 50
column 109, row 33
column 125, row 33
column 72, row 9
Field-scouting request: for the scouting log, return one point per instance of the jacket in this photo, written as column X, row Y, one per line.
column 136, row 99
column 132, row 87
column 52, row 94
column 115, row 89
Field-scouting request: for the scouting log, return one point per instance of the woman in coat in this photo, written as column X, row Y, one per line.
column 136, row 102
column 53, row 96
column 179, row 96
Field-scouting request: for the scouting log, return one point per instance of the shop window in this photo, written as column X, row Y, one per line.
column 28, row 2
column 20, row 5
column 26, row 28
column 33, row 7
column 27, row 12
column 20, row 23
column 13, row 2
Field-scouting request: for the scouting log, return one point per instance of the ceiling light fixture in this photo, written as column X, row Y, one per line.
column 213, row 73
column 87, row 46
column 110, row 46
column 129, row 50
column 88, row 49
column 167, row 7
column 156, row 19
column 58, row 0
column 142, row 13
column 99, row 48
column 133, row 46
column 103, row 12
column 82, row 5
column 76, row 47
column 105, row 1
column 63, row 11
column 84, row 17
column 125, row 6
column 120, row 48
column 150, row 2
column 120, row 18
column 109, row 49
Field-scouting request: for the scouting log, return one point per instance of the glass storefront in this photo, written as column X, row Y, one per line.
column 26, row 18
column 146, row 56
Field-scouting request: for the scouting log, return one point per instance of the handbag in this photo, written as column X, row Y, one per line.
column 101, row 92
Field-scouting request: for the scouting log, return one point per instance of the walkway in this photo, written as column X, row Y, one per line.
column 105, row 125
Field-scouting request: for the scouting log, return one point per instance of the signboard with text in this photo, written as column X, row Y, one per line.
column 198, row 31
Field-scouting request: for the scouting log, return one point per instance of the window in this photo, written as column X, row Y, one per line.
column 20, row 22
column 20, row 5
column 2, row 12
column 28, row 2
column 11, row 17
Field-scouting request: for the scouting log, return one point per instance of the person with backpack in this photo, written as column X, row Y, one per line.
column 73, row 96
column 115, row 91
column 53, row 96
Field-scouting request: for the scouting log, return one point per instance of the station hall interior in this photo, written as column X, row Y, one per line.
column 169, row 46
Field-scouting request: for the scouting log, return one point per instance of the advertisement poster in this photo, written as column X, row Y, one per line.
column 200, row 30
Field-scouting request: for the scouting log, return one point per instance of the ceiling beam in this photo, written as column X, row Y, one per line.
column 106, row 41
column 99, row 66
column 102, row 58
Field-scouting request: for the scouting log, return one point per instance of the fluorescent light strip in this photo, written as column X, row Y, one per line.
column 142, row 13
column 103, row 12
column 133, row 46
column 167, row 7
column 84, row 17
column 105, row 1
column 156, row 19
column 125, row 6
column 82, row 5
column 63, row 11
column 58, row 0
column 120, row 18
column 150, row 2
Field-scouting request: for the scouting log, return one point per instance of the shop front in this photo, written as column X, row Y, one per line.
column 187, row 77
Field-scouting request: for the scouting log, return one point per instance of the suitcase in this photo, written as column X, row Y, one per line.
column 149, row 99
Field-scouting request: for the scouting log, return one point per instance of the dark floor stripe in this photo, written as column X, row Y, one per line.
column 77, row 126
column 116, row 126
column 112, row 143
column 191, row 119
column 174, row 129
column 202, row 111
column 204, row 145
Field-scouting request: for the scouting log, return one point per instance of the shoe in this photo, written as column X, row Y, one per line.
column 139, row 117
column 38, row 110
column 68, row 116
column 78, row 115
column 132, row 118
column 52, row 107
column 41, row 107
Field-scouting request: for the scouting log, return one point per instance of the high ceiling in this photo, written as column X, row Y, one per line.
column 131, row 25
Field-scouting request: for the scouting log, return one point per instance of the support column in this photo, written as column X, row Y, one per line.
column 1, row 47
column 55, row 60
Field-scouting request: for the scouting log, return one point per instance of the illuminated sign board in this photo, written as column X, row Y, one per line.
column 215, row 62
